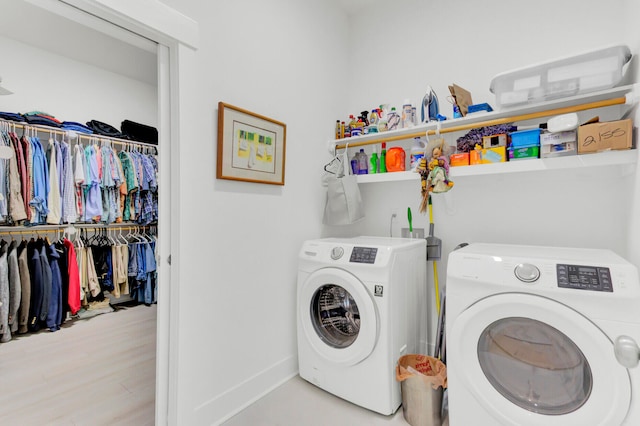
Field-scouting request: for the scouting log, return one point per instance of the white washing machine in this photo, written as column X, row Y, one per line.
column 360, row 307
column 542, row 336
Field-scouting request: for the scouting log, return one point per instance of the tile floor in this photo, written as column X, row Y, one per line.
column 298, row 402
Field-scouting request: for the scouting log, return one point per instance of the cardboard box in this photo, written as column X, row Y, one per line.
column 488, row 156
column 596, row 137
column 524, row 152
column 460, row 159
column 558, row 144
column 494, row 140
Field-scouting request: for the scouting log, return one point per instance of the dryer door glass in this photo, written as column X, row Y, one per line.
column 335, row 316
column 535, row 366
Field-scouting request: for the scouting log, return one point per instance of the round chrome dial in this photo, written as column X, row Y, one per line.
column 527, row 272
column 336, row 253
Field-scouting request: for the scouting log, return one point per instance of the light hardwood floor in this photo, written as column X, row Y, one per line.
column 95, row 371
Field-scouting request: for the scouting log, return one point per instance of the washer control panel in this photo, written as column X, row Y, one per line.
column 593, row 278
column 363, row 255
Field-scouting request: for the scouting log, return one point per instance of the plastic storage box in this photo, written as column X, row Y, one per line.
column 597, row 70
column 523, row 138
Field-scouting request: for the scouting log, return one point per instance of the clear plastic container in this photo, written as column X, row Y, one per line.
column 588, row 72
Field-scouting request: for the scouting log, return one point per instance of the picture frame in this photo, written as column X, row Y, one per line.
column 251, row 147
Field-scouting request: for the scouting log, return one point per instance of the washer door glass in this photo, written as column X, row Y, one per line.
column 535, row 366
column 335, row 316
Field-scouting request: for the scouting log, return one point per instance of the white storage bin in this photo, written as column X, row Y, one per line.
column 588, row 72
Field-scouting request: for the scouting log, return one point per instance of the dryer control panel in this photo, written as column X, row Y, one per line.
column 363, row 255
column 581, row 277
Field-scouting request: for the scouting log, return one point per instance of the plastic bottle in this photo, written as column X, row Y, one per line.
column 363, row 163
column 337, row 129
column 417, row 152
column 383, row 159
column 373, row 162
column 355, row 164
column 393, row 119
column 407, row 119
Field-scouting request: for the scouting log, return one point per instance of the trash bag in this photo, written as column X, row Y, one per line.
column 423, row 380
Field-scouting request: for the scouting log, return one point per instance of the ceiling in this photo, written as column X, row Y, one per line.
column 125, row 55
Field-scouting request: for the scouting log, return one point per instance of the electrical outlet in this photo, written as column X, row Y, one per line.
column 417, row 233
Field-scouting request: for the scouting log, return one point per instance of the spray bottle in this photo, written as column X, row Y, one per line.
column 383, row 158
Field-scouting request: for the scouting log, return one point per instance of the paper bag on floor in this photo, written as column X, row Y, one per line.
column 429, row 369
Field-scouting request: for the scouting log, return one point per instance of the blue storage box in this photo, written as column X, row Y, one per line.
column 485, row 107
column 523, row 138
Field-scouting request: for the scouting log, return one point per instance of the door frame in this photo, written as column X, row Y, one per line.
column 176, row 37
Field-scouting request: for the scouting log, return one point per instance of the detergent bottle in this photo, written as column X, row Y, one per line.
column 417, row 152
column 374, row 162
column 396, row 159
column 363, row 163
column 383, row 159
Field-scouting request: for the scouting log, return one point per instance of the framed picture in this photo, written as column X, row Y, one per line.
column 251, row 147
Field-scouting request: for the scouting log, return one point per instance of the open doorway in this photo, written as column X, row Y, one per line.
column 70, row 70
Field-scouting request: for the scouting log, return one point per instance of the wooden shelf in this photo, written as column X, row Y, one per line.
column 608, row 158
column 544, row 109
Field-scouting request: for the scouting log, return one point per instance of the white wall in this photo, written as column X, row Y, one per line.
column 632, row 35
column 71, row 90
column 239, row 241
column 467, row 43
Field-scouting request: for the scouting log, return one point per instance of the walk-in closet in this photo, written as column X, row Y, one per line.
column 79, row 209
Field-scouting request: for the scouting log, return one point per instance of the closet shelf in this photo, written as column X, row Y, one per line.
column 607, row 158
column 80, row 135
column 623, row 95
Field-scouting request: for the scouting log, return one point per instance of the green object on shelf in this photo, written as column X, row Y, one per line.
column 410, row 220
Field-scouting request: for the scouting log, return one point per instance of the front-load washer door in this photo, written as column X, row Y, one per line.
column 533, row 361
column 338, row 316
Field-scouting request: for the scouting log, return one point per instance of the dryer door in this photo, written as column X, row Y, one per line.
column 338, row 316
column 533, row 361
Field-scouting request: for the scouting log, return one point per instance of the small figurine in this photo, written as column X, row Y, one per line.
column 434, row 176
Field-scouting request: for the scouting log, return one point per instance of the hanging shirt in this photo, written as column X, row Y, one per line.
column 54, row 204
column 40, row 182
column 80, row 179
column 25, row 285
column 93, row 196
column 54, row 314
column 73, row 298
column 5, row 331
column 15, row 287
column 16, row 202
column 27, row 190
column 22, row 171
column 69, row 206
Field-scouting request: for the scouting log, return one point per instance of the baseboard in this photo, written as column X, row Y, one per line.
column 226, row 405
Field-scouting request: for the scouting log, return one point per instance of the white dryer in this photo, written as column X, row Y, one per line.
column 360, row 304
column 542, row 336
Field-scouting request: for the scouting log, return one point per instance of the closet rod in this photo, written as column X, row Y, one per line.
column 62, row 228
column 86, row 136
column 521, row 117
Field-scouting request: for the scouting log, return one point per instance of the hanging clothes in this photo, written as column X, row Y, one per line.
column 74, row 297
column 23, row 173
column 15, row 288
column 92, row 194
column 35, row 272
column 40, row 191
column 69, row 205
column 16, row 209
column 25, row 285
column 4, row 294
column 54, row 314
column 54, row 198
